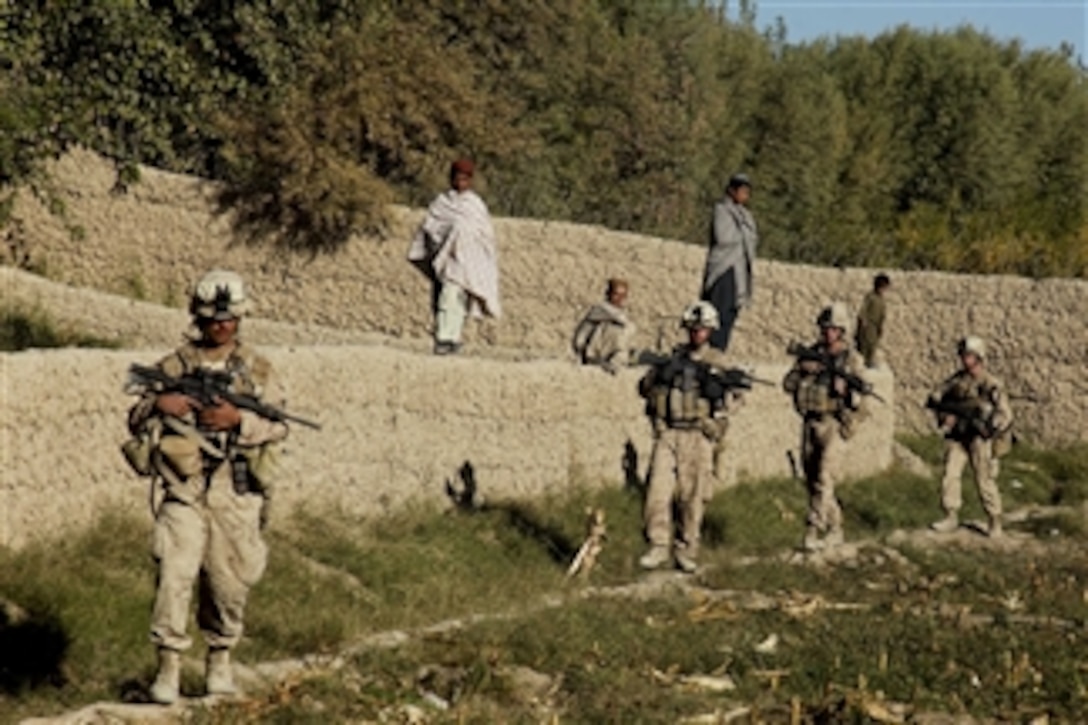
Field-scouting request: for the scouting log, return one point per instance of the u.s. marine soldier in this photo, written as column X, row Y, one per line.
column 830, row 411
column 213, row 461
column 603, row 337
column 687, row 405
column 972, row 409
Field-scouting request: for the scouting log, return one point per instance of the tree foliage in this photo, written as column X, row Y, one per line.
column 915, row 149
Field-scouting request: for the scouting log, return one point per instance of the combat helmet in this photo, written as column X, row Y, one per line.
column 701, row 314
column 834, row 315
column 219, row 295
column 974, row 345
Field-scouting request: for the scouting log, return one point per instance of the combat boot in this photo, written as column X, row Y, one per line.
column 834, row 538
column 218, row 677
column 655, row 557
column 811, row 540
column 164, row 690
column 685, row 562
column 948, row 524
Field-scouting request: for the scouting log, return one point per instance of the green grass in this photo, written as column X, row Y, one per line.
column 1028, row 474
column 23, row 328
column 333, row 579
column 86, row 599
column 605, row 653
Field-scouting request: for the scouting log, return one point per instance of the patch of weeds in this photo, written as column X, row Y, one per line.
column 622, row 661
column 290, row 586
column 332, row 579
column 601, row 654
column 1069, row 524
column 757, row 517
column 89, row 598
column 1027, row 475
column 135, row 286
column 173, row 297
column 1048, row 585
column 421, row 566
column 930, row 448
column 26, row 328
column 896, row 500
column 1062, row 471
column 766, row 576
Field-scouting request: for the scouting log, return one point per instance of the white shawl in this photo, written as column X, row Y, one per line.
column 456, row 243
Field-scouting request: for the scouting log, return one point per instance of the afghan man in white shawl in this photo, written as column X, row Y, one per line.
column 727, row 283
column 455, row 247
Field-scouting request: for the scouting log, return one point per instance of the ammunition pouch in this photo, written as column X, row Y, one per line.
column 1003, row 441
column 137, row 451
column 813, row 398
column 685, row 395
column 261, row 464
column 714, row 428
column 182, row 455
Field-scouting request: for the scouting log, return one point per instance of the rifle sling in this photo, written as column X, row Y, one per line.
column 190, row 432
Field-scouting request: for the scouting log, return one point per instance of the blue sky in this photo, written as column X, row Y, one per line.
column 1038, row 23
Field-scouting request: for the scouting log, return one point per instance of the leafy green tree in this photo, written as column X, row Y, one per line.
column 919, row 149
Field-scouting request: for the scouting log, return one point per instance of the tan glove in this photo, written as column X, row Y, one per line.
column 714, row 428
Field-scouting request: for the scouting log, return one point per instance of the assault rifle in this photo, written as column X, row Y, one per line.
column 736, row 378
column 972, row 416
column 205, row 386
column 725, row 378
column 831, row 367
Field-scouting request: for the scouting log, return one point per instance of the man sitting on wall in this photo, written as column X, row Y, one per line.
column 604, row 334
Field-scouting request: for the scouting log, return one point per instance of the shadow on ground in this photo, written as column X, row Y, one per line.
column 32, row 650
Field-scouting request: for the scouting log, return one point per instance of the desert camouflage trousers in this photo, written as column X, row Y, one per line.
column 822, row 447
column 977, row 452
column 215, row 543
column 682, row 469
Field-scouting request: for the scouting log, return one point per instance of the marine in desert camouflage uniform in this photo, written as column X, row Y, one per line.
column 214, row 465
column 688, row 412
column 973, row 412
column 830, row 412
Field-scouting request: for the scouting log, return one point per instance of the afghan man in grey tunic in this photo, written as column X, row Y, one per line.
column 727, row 283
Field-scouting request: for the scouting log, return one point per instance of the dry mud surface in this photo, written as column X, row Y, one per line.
column 397, row 427
column 152, row 241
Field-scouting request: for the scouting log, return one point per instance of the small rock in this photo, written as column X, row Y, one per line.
column 527, row 685
column 710, row 683
column 768, row 646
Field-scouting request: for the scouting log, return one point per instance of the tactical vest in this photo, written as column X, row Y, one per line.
column 249, row 371
column 815, row 395
column 680, row 397
column 969, row 391
column 186, row 457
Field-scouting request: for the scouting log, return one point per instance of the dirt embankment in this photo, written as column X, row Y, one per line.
column 397, row 426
